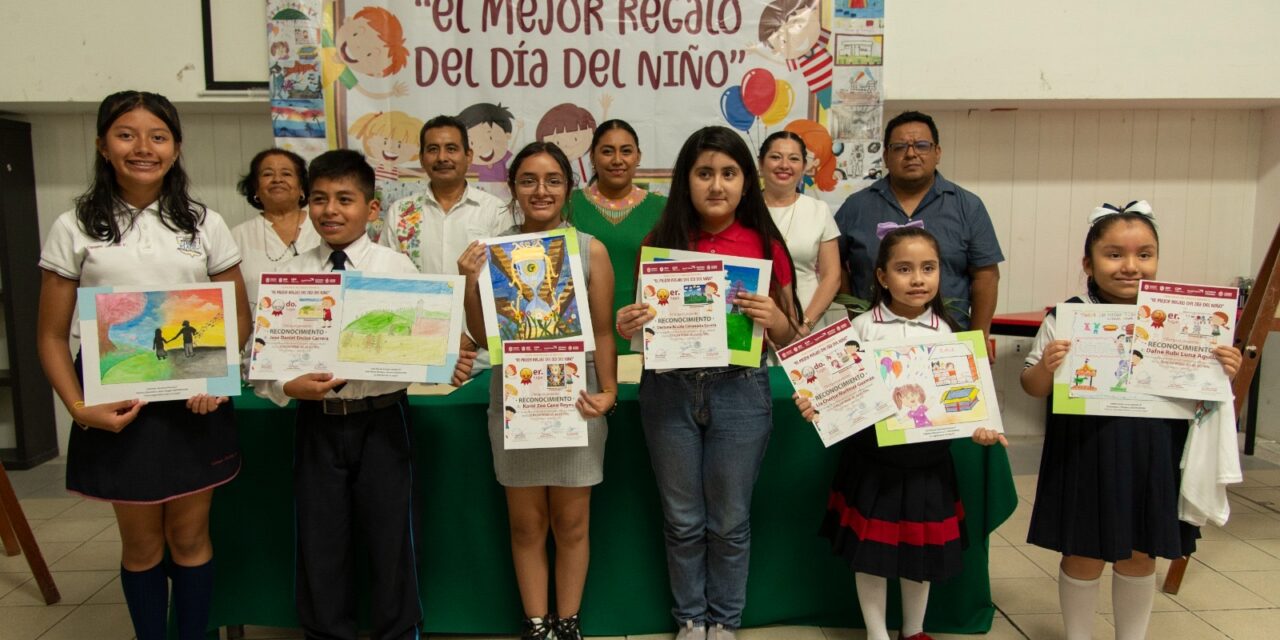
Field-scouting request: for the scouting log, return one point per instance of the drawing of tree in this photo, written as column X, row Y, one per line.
column 116, row 308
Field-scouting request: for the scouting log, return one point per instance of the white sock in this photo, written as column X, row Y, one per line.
column 1079, row 599
column 915, row 598
column 1131, row 599
column 872, row 594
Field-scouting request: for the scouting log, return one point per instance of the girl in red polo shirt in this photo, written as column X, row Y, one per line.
column 707, row 429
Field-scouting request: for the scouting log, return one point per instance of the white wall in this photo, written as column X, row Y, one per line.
column 948, row 50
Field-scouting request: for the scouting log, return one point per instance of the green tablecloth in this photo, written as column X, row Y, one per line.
column 464, row 558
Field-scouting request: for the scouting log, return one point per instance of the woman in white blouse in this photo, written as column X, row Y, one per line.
column 807, row 225
column 276, row 185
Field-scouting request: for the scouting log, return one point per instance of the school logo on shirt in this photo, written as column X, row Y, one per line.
column 190, row 245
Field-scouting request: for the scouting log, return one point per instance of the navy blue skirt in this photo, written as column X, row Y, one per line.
column 895, row 512
column 1109, row 486
column 167, row 452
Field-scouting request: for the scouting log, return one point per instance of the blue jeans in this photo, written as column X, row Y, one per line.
column 707, row 430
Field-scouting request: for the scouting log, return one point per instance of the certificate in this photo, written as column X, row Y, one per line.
column 1094, row 377
column 532, row 289
column 1178, row 326
column 744, row 275
column 940, row 385
column 392, row 328
column 294, row 331
column 159, row 342
column 688, row 327
column 541, row 384
column 827, row 368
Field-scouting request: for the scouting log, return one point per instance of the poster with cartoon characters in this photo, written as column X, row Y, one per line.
column 403, row 328
column 1094, row 378
column 1178, row 327
column 516, row 73
column 532, row 289
column 941, row 387
column 159, row 343
column 829, row 368
column 688, row 330
column 541, row 384
column 746, row 275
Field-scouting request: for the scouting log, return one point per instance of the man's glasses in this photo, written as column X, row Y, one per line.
column 921, row 147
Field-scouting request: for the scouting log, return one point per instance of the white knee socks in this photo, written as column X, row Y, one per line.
column 872, row 595
column 1078, row 598
column 915, row 598
column 1131, row 599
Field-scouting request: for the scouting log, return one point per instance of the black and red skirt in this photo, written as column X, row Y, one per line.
column 896, row 512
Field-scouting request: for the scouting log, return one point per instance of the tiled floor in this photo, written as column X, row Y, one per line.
column 1232, row 588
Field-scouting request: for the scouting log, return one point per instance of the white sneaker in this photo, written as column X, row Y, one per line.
column 718, row 632
column 691, row 632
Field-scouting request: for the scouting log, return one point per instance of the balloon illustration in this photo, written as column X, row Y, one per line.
column 897, row 368
column 783, row 97
column 734, row 111
column 758, row 91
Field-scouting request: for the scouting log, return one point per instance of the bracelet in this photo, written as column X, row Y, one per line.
column 78, row 404
column 608, row 390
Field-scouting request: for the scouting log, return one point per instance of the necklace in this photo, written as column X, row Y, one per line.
column 292, row 246
column 615, row 210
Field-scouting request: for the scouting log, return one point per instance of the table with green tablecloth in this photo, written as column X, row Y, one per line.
column 464, row 557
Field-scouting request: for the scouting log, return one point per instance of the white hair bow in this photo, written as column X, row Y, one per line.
column 1139, row 207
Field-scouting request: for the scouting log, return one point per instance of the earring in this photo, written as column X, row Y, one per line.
column 256, row 200
column 302, row 201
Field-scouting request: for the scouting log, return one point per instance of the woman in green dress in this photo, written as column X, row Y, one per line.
column 614, row 210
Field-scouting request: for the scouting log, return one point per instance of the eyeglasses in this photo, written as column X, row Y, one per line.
column 551, row 184
column 921, row 147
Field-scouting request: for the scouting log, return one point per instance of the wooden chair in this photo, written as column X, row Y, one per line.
column 16, row 535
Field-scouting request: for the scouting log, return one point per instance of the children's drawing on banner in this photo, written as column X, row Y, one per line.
column 859, row 50
column 294, row 76
column 491, row 130
column 759, row 98
column 791, row 33
column 862, row 160
column 852, row 122
column 858, row 9
column 370, row 44
column 570, row 127
column 860, row 88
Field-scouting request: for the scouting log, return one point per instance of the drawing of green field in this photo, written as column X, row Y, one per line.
column 403, row 336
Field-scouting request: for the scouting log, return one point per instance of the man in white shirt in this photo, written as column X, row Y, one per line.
column 435, row 226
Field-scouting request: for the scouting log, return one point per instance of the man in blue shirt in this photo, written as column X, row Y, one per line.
column 915, row 193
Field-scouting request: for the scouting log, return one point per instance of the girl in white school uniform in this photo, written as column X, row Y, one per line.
column 1108, row 487
column 549, row 490
column 895, row 512
column 157, row 463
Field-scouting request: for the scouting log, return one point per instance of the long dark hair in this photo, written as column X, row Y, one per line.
column 96, row 208
column 680, row 221
column 1100, row 227
column 553, row 150
column 879, row 294
column 606, row 127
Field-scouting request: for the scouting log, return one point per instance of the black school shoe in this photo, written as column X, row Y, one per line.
column 567, row 628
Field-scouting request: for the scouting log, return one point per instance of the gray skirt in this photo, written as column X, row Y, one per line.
column 562, row 467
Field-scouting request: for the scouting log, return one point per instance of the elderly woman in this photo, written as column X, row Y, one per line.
column 277, row 186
